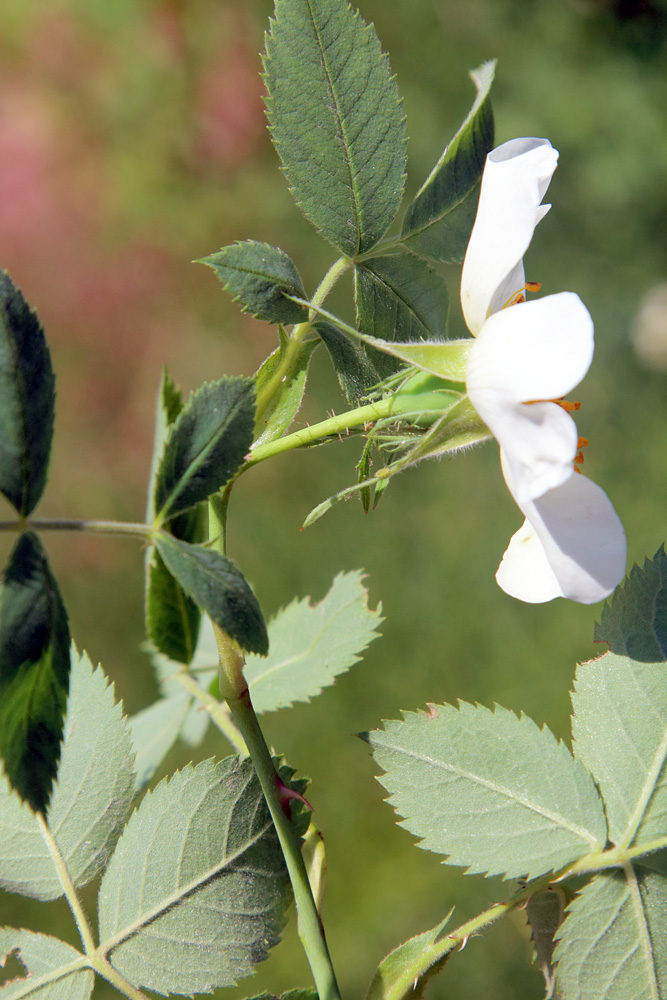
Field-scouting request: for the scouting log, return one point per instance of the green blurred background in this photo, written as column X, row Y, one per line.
column 132, row 140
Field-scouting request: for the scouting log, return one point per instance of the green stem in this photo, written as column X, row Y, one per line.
column 219, row 712
column 310, row 927
column 335, row 426
column 95, row 527
column 107, row 971
column 336, row 271
column 73, row 900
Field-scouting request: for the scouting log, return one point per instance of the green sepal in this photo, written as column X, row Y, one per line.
column 280, row 383
column 439, row 220
column 27, row 401
column 399, row 297
column 257, row 276
column 219, row 588
column 34, row 672
column 205, row 445
column 336, row 120
column 405, row 972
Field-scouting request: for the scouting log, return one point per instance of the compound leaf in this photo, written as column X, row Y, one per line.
column 258, row 277
column 336, row 120
column 194, row 896
column 40, row 957
column 27, row 401
column 90, row 799
column 439, row 220
column 312, row 644
column 489, row 790
column 34, row 672
column 613, row 942
column 218, row 587
column 205, row 445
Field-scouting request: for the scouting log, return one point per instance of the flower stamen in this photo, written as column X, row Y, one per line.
column 530, row 286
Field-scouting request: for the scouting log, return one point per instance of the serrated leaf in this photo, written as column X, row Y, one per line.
column 439, row 220
column 90, row 799
column 613, row 942
column 634, row 622
column 34, row 671
column 336, row 120
column 355, row 371
column 312, row 644
column 406, row 970
column 258, row 276
column 219, row 588
column 399, row 297
column 489, row 790
column 172, row 617
column 53, row 969
column 27, row 401
column 279, row 386
column 168, row 406
column 194, row 896
column 205, row 446
column 619, row 730
column 154, row 730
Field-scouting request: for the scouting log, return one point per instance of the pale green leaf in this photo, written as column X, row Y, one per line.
column 51, row 969
column 219, row 588
column 405, row 972
column 258, row 276
column 27, row 401
column 280, row 384
column 310, row 645
column 34, row 671
column 154, row 730
column 489, row 790
column 194, row 896
column 613, row 942
column 439, row 220
column 336, row 120
column 399, row 298
column 91, row 797
column 205, row 445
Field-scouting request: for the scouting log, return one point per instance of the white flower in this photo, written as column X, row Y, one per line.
column 526, row 358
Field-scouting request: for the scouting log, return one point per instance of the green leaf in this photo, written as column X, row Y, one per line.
column 545, row 911
column 257, row 276
column 44, row 959
column 195, row 894
column 312, row 644
column 336, row 120
column 27, row 401
column 619, row 730
column 154, row 730
column 281, row 380
column 205, row 446
column 439, row 220
column 90, row 799
column 634, row 622
column 355, row 371
column 490, row 790
column 34, row 672
column 168, row 406
column 219, row 588
column 399, row 297
column 405, row 972
column 613, row 942
column 172, row 617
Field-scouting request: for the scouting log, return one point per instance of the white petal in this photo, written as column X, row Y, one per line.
column 516, row 177
column 572, row 545
column 534, row 351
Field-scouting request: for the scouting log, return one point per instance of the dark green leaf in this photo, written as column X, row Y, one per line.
column 336, row 120
column 634, row 622
column 356, row 372
column 399, row 298
column 257, row 276
column 27, row 399
column 439, row 221
column 34, row 672
column 219, row 589
column 195, row 893
column 280, row 384
column 206, row 445
column 545, row 911
column 172, row 617
column 168, row 406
